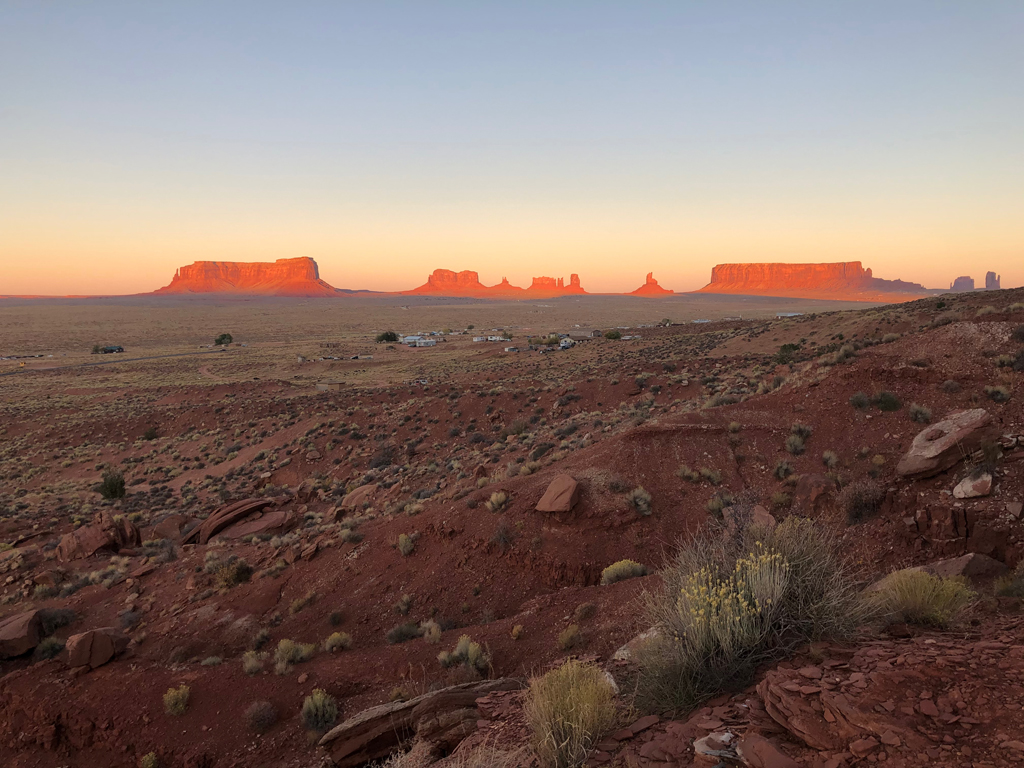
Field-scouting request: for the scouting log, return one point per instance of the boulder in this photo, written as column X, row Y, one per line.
column 357, row 498
column 443, row 717
column 96, row 647
column 224, row 516
column 971, row 566
column 20, row 633
column 275, row 521
column 811, row 491
column 170, row 527
column 561, row 496
column 105, row 532
column 944, row 444
column 973, row 486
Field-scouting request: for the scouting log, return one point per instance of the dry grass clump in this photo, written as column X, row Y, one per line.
column 402, row 632
column 685, row 473
column 406, row 544
column 795, row 444
column 468, row 653
column 338, row 641
column 233, row 573
column 252, row 662
column 997, row 394
column 917, row 597
column 497, row 502
column 569, row 709
column 920, row 414
column 1011, row 585
column 713, row 476
column 861, row 499
column 300, row 603
column 176, row 700
column 289, row 652
column 319, row 711
column 260, row 716
column 570, row 637
column 431, row 631
column 830, row 459
column 149, row 760
column 728, row 606
column 640, row 500
column 48, row 648
column 622, row 570
column 483, row 756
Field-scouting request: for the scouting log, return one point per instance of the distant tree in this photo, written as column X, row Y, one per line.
column 150, row 434
column 387, row 336
column 224, row 338
column 470, row 327
column 96, row 349
column 613, row 334
column 507, row 335
column 666, row 322
column 112, row 485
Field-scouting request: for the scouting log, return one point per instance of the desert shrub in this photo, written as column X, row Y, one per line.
column 149, row 760
column 782, row 470
column 497, row 502
column 233, row 573
column 830, row 459
column 802, row 430
column 406, row 544
column 403, row 605
column 729, row 605
column 997, row 394
column 384, row 456
column 568, row 710
column 403, row 632
column 859, row 400
column 389, row 337
column 949, row 386
column 640, row 500
column 299, row 603
column 431, row 631
column 685, row 473
column 917, row 597
column 795, row 444
column 890, row 337
column 468, row 653
column 887, row 401
column 781, row 500
column 622, row 570
column 289, row 652
column 55, row 618
column 584, row 611
column 338, row 641
column 1018, row 333
column 722, row 399
column 252, row 662
column 260, row 716
column 613, row 334
column 920, row 414
column 517, row 631
column 150, row 434
column 112, row 485
column 49, row 647
column 861, row 499
column 176, row 700
column 713, row 476
column 734, row 427
column 987, row 310
column 529, row 468
column 224, row 338
column 1017, row 307
column 211, row 661
column 319, row 711
column 502, row 537
column 570, row 637
column 540, row 450
column 1011, row 585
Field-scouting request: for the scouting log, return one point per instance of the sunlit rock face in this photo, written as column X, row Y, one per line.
column 284, row 277
column 839, row 280
column 651, row 288
column 444, row 282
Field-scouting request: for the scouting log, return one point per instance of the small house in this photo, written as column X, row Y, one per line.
column 426, row 342
column 330, row 386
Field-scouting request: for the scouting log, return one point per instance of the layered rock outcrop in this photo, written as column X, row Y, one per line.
column 445, row 282
column 284, row 277
column 651, row 288
column 839, row 280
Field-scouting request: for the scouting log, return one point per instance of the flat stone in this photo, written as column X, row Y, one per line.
column 643, row 724
column 972, row 487
column 20, row 633
column 561, row 495
column 757, row 752
column 862, row 747
column 944, row 444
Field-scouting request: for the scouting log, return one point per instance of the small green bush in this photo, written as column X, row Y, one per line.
column 570, row 637
column 112, row 485
column 496, row 503
column 622, row 570
column 149, row 760
column 176, row 700
column 861, row 499
column 795, row 444
column 403, row 632
column 261, row 716
column 224, row 338
column 830, row 459
column 406, row 544
column 802, row 430
column 782, row 470
column 49, row 647
column 920, row 414
column 389, row 337
column 319, row 711
column 997, row 394
column 713, row 476
column 685, row 473
column 468, row 653
column 252, row 662
column 613, row 334
column 859, row 400
column 887, row 401
column 289, row 652
column 338, row 641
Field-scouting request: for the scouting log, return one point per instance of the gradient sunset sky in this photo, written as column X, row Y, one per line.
column 386, row 139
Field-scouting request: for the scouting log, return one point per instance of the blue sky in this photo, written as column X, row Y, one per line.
column 610, row 139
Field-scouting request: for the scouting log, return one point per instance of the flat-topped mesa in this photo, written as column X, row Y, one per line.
column 555, row 286
column 651, row 288
column 838, row 280
column 284, row 277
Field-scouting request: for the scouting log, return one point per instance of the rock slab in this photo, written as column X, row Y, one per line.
column 561, row 496
column 944, row 444
column 96, row 647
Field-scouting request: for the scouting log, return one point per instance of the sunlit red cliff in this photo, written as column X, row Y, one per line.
column 444, row 282
column 284, row 277
column 846, row 280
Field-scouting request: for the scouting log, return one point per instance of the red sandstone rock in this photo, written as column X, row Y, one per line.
column 444, row 282
column 840, row 280
column 95, row 647
column 20, row 634
column 284, row 277
column 224, row 516
column 941, row 446
column 561, row 495
column 104, row 533
column 651, row 288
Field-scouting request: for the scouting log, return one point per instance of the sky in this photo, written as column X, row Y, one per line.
column 611, row 139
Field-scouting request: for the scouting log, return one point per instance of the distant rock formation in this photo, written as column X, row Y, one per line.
column 284, row 277
column 651, row 288
column 444, row 282
column 992, row 281
column 961, row 284
column 844, row 280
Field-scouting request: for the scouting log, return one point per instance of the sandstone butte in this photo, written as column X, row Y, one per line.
column 844, row 280
column 444, row 282
column 284, row 277
column 651, row 288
